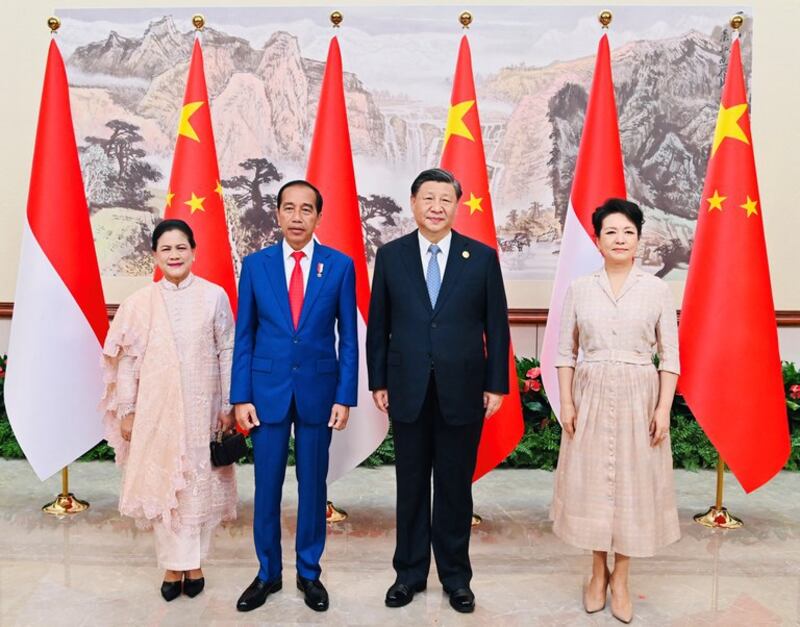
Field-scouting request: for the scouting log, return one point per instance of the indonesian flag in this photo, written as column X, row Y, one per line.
column 598, row 176
column 54, row 380
column 330, row 169
column 728, row 315
column 195, row 191
column 463, row 156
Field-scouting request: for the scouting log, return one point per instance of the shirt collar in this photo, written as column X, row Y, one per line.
column 443, row 244
column 169, row 285
column 308, row 249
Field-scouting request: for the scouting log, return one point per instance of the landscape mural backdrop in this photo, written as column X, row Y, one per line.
column 264, row 66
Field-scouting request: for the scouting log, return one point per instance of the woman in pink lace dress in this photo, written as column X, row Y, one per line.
column 167, row 362
column 613, row 486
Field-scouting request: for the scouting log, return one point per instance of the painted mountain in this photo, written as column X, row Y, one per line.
column 127, row 92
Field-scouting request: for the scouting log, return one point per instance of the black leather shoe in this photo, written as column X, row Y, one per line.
column 462, row 600
column 193, row 587
column 400, row 594
column 256, row 593
column 316, row 595
column 171, row 590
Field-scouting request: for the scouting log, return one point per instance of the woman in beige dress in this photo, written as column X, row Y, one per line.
column 167, row 361
column 613, row 489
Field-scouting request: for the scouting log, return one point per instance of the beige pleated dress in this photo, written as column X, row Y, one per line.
column 613, row 491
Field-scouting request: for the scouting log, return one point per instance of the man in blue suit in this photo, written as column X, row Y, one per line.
column 293, row 298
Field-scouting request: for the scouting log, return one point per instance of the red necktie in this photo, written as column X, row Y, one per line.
column 296, row 287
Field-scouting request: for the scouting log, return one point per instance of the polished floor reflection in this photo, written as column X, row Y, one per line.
column 97, row 569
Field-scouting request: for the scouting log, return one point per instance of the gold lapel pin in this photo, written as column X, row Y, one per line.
column 465, row 254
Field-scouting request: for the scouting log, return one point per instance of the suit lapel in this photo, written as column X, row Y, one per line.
column 413, row 263
column 456, row 260
column 316, row 278
column 276, row 274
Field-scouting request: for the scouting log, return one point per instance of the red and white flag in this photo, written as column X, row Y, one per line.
column 463, row 155
column 53, row 377
column 330, row 169
column 599, row 175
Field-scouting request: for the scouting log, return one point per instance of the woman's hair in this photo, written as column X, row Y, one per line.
column 617, row 205
column 173, row 225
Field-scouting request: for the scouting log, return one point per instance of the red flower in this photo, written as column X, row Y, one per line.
column 794, row 391
column 536, row 386
column 533, row 373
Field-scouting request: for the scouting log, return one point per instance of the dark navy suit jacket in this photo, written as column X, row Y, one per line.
column 273, row 361
column 464, row 340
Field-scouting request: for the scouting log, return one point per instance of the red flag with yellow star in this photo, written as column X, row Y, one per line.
column 730, row 366
column 463, row 156
column 195, row 191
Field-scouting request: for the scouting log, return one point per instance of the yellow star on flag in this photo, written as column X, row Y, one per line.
column 218, row 189
column 184, row 127
column 195, row 203
column 170, row 196
column 474, row 204
column 715, row 201
column 750, row 207
column 728, row 125
column 455, row 121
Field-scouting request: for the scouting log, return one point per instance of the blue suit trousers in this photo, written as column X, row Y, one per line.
column 271, row 450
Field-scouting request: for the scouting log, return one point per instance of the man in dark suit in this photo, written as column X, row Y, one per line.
column 437, row 356
column 293, row 299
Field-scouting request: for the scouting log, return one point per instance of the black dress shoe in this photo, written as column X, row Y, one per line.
column 462, row 600
column 171, row 590
column 400, row 594
column 256, row 593
column 316, row 595
column 193, row 587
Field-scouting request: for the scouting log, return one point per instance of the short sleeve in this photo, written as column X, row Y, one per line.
column 667, row 335
column 567, row 353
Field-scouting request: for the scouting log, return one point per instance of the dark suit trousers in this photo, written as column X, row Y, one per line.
column 271, row 449
column 425, row 445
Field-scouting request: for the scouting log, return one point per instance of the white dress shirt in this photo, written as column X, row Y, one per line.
column 444, row 247
column 305, row 262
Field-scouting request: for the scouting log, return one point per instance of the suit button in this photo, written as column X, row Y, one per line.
column 295, row 341
column 434, row 325
column 295, row 367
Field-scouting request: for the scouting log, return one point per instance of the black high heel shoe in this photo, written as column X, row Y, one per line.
column 193, row 587
column 171, row 590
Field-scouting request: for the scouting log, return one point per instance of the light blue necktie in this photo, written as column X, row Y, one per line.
column 433, row 277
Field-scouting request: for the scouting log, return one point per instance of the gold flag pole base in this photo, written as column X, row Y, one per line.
column 718, row 518
column 476, row 519
column 66, row 502
column 335, row 515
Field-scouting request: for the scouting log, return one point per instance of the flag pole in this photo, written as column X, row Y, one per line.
column 465, row 19
column 66, row 502
column 718, row 516
column 332, row 513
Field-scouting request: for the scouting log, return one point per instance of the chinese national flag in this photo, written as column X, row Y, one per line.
column 195, row 191
column 463, row 156
column 330, row 169
column 730, row 365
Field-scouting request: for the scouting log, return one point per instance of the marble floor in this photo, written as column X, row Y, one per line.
column 95, row 568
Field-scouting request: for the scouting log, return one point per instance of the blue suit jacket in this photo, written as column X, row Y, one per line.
column 272, row 361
